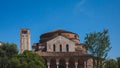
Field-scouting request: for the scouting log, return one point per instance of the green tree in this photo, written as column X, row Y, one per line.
column 98, row 44
column 27, row 59
column 7, row 51
column 118, row 60
column 111, row 63
column 15, row 63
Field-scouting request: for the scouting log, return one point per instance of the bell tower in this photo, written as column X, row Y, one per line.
column 24, row 39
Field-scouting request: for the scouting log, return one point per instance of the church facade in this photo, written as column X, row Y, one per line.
column 63, row 49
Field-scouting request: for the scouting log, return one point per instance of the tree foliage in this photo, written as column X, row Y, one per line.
column 111, row 63
column 98, row 44
column 7, row 51
column 9, row 58
column 118, row 60
column 27, row 59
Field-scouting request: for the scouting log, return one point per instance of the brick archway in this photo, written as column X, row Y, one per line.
column 53, row 63
column 62, row 63
column 80, row 63
column 71, row 63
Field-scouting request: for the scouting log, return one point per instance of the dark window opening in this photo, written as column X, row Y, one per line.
column 60, row 48
column 24, row 32
column 75, row 36
column 54, row 47
column 59, row 33
column 67, row 47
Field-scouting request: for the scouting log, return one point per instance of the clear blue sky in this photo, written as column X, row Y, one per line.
column 79, row 16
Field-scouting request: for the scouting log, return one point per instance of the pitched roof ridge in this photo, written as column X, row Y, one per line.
column 57, row 30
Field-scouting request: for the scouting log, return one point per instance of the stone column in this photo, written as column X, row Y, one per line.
column 67, row 64
column 57, row 63
column 76, row 64
column 85, row 64
column 48, row 64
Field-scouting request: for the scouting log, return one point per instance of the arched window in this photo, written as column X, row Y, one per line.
column 67, row 47
column 60, row 48
column 75, row 36
column 54, row 47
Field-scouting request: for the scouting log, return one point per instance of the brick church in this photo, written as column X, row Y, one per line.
column 62, row 49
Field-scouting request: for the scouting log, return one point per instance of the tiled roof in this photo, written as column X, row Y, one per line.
column 58, row 31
